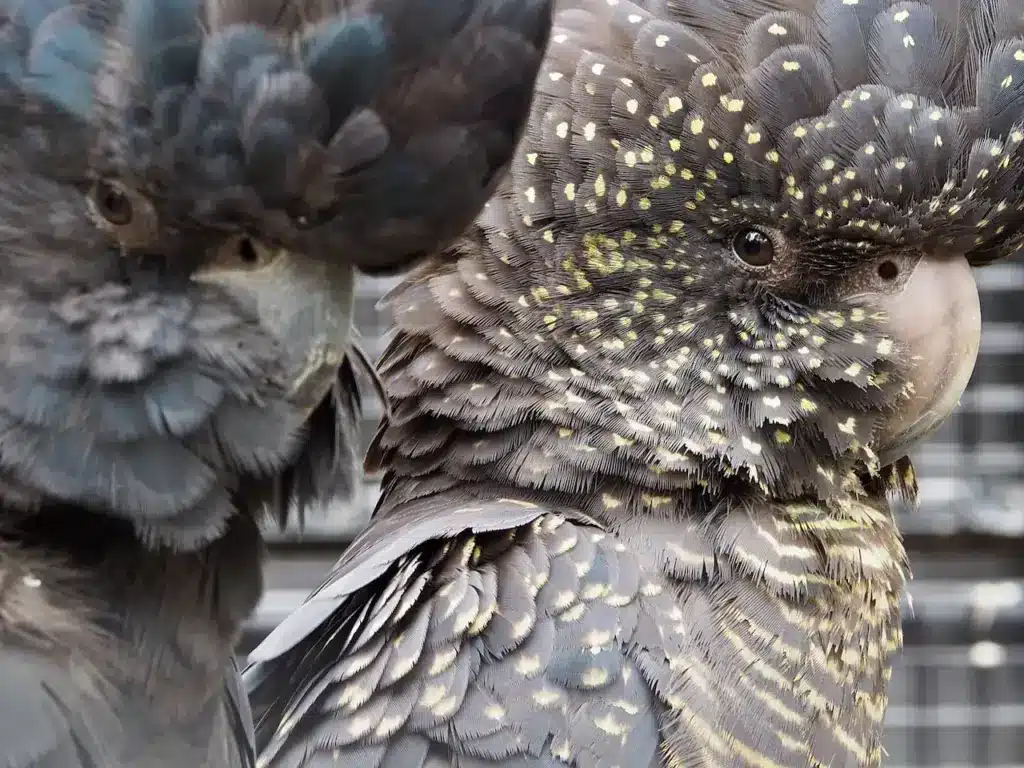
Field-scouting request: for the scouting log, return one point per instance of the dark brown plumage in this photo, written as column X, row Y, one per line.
column 188, row 191
column 647, row 427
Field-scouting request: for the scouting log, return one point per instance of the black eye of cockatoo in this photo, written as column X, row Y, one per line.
column 651, row 412
column 188, row 189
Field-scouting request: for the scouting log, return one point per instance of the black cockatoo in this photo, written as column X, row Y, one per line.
column 187, row 190
column 651, row 414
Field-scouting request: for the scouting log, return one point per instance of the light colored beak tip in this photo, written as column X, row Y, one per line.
column 306, row 304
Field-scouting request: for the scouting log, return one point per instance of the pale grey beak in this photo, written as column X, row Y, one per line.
column 306, row 303
column 935, row 316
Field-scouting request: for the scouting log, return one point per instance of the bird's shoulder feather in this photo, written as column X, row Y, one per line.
column 549, row 637
column 478, row 644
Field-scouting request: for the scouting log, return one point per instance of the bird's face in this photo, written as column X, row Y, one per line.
column 301, row 302
column 774, row 350
column 76, row 229
column 881, row 337
column 778, row 288
column 133, row 344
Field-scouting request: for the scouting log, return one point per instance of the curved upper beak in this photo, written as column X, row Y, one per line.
column 307, row 304
column 935, row 317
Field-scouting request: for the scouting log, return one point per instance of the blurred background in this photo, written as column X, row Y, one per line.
column 957, row 697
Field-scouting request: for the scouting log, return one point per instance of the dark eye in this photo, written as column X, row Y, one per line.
column 112, row 203
column 753, row 247
column 246, row 250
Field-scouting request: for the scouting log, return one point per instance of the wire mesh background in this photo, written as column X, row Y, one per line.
column 957, row 697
